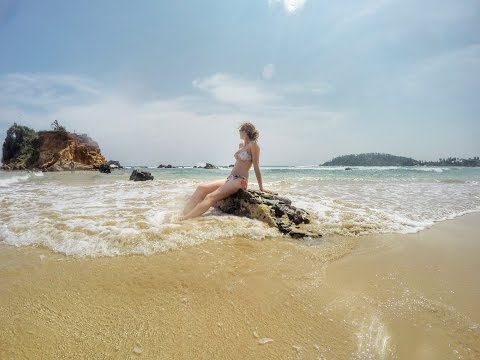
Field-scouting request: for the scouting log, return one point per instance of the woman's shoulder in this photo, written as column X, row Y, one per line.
column 254, row 144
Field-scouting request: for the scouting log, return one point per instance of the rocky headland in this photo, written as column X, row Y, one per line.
column 57, row 150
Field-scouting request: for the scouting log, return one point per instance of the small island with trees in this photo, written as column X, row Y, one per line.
column 379, row 159
column 53, row 150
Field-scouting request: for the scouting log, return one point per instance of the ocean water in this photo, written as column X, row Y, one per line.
column 94, row 214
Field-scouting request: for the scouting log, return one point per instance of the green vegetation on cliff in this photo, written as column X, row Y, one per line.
column 20, row 146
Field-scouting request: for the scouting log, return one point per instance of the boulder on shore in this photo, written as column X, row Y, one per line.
column 105, row 169
column 140, row 176
column 272, row 209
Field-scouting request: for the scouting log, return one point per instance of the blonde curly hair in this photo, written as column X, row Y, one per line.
column 250, row 129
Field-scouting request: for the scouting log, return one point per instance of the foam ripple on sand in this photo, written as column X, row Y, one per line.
column 113, row 219
column 358, row 208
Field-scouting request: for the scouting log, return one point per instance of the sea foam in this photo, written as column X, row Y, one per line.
column 91, row 214
column 5, row 182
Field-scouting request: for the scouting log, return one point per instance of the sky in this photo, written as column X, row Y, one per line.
column 170, row 81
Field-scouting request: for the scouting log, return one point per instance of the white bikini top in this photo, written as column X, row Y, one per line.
column 243, row 155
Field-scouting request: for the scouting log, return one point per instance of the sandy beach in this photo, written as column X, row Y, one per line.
column 260, row 180
column 373, row 297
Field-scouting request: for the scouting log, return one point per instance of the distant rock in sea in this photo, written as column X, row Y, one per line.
column 105, row 169
column 161, row 166
column 114, row 164
column 141, row 176
column 207, row 166
column 25, row 149
column 272, row 209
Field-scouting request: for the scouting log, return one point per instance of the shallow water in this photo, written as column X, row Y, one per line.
column 93, row 214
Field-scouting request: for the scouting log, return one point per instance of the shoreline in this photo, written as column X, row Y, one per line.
column 383, row 296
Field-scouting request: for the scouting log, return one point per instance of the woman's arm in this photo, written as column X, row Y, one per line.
column 255, row 149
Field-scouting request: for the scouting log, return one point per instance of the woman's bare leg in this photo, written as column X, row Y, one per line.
column 224, row 191
column 202, row 190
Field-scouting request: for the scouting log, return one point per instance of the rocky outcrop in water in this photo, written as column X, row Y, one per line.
column 105, row 169
column 141, row 176
column 114, row 164
column 272, row 209
column 207, row 166
column 25, row 148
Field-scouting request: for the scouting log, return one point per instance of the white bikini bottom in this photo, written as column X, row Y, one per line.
column 237, row 177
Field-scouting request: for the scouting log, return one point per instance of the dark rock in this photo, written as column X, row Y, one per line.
column 231, row 165
column 348, row 168
column 207, row 166
column 161, row 166
column 272, row 209
column 140, row 176
column 54, row 168
column 114, row 164
column 105, row 169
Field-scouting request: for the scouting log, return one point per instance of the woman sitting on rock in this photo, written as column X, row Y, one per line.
column 207, row 194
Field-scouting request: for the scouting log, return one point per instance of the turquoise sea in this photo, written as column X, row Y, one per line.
column 93, row 214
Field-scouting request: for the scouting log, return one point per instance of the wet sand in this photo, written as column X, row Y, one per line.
column 386, row 296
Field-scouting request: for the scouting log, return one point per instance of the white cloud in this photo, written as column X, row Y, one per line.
column 289, row 6
column 368, row 9
column 181, row 131
column 268, row 71
column 455, row 70
column 371, row 8
column 236, row 91
column 46, row 89
column 317, row 88
column 454, row 10
column 468, row 56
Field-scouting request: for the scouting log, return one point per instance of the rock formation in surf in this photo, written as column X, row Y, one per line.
column 56, row 150
column 272, row 209
column 105, row 169
column 140, row 175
